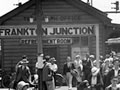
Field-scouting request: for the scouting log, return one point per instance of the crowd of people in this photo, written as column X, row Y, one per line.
column 91, row 74
column 87, row 73
column 24, row 80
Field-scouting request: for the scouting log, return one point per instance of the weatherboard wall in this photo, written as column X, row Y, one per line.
column 13, row 49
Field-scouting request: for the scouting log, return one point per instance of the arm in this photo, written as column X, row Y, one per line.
column 64, row 69
column 29, row 74
column 17, row 65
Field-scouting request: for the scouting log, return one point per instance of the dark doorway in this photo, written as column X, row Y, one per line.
column 52, row 51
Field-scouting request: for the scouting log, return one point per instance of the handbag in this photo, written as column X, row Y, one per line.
column 74, row 72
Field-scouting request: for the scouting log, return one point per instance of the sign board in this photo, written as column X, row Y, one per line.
column 49, row 30
column 58, row 18
column 59, row 41
column 47, row 41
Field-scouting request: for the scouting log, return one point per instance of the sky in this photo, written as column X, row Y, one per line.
column 103, row 5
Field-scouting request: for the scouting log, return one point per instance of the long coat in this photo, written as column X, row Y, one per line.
column 99, row 82
column 47, row 73
column 109, row 76
column 23, row 74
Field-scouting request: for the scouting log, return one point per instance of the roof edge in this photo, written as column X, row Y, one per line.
column 16, row 11
column 92, row 10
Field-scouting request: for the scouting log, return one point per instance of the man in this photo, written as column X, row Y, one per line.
column 114, row 72
column 53, row 68
column 23, row 72
column 47, row 75
column 87, row 67
column 19, row 63
column 113, row 85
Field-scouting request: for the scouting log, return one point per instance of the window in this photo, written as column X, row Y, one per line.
column 84, row 41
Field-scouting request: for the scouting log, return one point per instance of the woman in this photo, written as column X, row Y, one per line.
column 94, row 79
column 68, row 67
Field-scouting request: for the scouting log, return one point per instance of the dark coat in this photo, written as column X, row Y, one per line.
column 99, row 82
column 47, row 73
column 67, row 69
column 23, row 74
column 87, row 68
column 109, row 76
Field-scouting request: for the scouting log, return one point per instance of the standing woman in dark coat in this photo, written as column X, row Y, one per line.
column 68, row 66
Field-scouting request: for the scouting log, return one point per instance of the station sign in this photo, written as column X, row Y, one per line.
column 49, row 30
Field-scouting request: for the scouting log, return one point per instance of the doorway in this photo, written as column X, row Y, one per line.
column 51, row 51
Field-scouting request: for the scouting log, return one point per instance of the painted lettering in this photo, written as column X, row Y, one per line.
column 7, row 32
column 49, row 31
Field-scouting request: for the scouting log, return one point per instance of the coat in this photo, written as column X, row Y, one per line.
column 23, row 74
column 99, row 81
column 47, row 73
column 68, row 69
column 109, row 76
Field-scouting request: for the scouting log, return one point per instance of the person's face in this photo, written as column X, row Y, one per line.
column 68, row 59
column 77, row 58
column 116, row 63
column 52, row 62
column 114, row 81
column 107, row 62
column 91, row 58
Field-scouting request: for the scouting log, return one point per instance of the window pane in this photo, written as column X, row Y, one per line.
column 84, row 41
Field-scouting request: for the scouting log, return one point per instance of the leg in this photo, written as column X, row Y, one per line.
column 69, row 80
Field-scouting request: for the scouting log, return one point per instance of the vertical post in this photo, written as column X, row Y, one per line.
column 97, row 45
column 39, row 39
column 91, row 2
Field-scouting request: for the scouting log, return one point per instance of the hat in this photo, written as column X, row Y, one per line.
column 116, row 59
column 106, row 60
column 24, row 61
column 21, row 85
column 77, row 56
column 52, row 59
column 95, row 71
column 92, row 56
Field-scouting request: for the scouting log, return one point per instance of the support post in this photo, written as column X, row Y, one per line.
column 39, row 40
column 97, row 45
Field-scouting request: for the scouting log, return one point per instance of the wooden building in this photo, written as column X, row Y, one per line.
column 70, row 27
column 113, row 38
